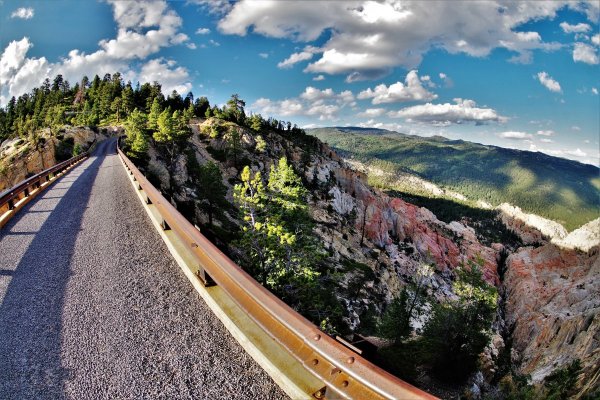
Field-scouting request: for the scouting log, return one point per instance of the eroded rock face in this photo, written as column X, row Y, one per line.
column 553, row 302
column 19, row 159
column 386, row 220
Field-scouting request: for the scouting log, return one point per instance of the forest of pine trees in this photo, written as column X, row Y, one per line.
column 111, row 101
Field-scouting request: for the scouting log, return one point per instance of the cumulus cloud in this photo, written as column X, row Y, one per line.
column 546, row 140
column 295, row 58
column 579, row 28
column 577, row 154
column 263, row 55
column 596, row 39
column 372, row 112
column 324, row 104
column 202, row 31
column 166, row 73
column 515, row 135
column 462, row 111
column 319, row 78
column 585, row 53
column 367, row 38
column 143, row 29
column 23, row 13
column 546, row 133
column 548, row 82
column 594, row 90
column 411, row 90
column 381, row 125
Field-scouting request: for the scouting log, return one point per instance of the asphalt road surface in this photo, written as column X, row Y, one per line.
column 93, row 306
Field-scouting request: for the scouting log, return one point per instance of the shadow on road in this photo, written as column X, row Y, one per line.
column 31, row 309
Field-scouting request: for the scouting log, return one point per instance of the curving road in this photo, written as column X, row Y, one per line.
column 92, row 306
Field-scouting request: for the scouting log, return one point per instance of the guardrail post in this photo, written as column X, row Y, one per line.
column 11, row 204
column 148, row 201
column 26, row 192
column 164, row 225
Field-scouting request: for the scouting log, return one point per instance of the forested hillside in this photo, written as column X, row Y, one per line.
column 562, row 190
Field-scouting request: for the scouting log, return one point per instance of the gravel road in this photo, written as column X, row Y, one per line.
column 92, row 305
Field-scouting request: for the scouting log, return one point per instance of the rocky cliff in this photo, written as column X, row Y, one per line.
column 20, row 158
column 552, row 301
column 553, row 306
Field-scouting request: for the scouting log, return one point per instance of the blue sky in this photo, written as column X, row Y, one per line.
column 522, row 75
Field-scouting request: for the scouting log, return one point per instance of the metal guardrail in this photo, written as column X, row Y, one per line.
column 12, row 199
column 342, row 372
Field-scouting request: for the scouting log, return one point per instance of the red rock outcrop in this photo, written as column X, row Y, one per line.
column 387, row 218
column 553, row 302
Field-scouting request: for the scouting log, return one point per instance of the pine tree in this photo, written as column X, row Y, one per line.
column 135, row 129
column 277, row 241
column 155, row 111
column 212, row 190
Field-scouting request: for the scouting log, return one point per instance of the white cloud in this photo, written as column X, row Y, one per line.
column 191, row 46
column 446, row 79
column 170, row 78
column 202, row 31
column 143, row 29
column 445, row 114
column 515, row 135
column 546, row 140
column 576, row 128
column 23, row 13
column 579, row 28
column 324, row 104
column 319, row 78
column 295, row 58
column 585, row 53
column 412, row 90
column 546, row 133
column 214, row 43
column 548, row 82
column 381, row 125
column 367, row 38
column 596, row 39
column 372, row 112
column 594, row 90
column 214, row 7
column 263, row 55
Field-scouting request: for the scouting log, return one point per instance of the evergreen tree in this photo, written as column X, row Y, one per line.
column 233, row 137
column 155, row 111
column 277, row 243
column 458, row 331
column 212, row 190
column 135, row 129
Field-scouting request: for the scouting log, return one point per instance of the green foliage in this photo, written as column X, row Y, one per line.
column 395, row 322
column 277, row 242
column 261, row 145
column 560, row 384
column 155, row 111
column 212, row 191
column 563, row 190
column 135, row 129
column 457, row 332
column 234, row 110
column 233, row 137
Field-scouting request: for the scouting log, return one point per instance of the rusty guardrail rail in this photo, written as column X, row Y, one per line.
column 339, row 372
column 16, row 197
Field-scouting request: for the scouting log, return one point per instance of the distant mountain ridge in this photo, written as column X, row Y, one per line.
column 562, row 190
